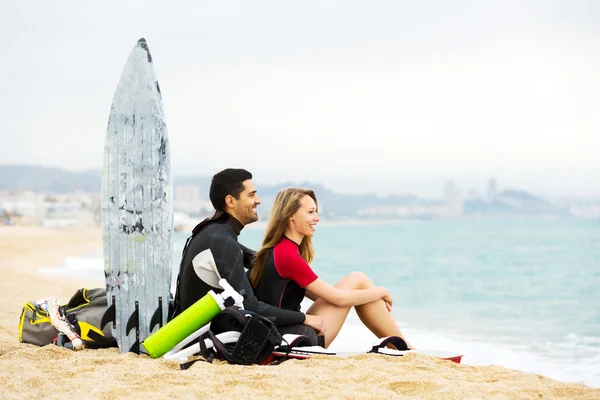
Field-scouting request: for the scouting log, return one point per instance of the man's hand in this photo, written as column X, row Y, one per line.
column 315, row 322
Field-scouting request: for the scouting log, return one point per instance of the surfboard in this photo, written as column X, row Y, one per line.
column 297, row 351
column 307, row 352
column 295, row 347
column 137, row 207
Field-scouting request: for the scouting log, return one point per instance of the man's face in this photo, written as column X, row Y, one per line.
column 244, row 208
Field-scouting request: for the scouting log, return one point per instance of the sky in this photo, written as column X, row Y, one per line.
column 371, row 96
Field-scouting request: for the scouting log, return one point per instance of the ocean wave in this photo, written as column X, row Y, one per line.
column 575, row 339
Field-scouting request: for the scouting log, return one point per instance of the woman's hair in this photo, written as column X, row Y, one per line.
column 286, row 204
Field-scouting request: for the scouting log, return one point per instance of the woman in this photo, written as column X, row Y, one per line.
column 282, row 277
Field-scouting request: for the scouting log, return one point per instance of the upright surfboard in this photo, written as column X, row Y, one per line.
column 137, row 208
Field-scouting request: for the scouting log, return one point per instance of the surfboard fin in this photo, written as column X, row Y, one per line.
column 109, row 316
column 134, row 323
column 157, row 316
column 135, row 347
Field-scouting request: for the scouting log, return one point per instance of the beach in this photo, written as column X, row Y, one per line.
column 28, row 371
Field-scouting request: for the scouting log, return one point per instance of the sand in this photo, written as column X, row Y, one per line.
column 28, row 371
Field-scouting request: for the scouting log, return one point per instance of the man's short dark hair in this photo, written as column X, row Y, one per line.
column 230, row 181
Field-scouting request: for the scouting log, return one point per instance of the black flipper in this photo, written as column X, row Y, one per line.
column 99, row 341
column 395, row 341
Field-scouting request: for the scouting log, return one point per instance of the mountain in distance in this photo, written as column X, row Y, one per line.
column 512, row 202
column 47, row 180
column 334, row 205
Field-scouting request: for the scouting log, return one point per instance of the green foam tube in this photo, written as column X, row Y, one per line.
column 186, row 323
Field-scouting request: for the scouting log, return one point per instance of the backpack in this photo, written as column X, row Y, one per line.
column 83, row 312
column 258, row 338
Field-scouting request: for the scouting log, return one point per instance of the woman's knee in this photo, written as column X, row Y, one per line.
column 360, row 280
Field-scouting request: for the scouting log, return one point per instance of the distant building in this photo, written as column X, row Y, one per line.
column 4, row 217
column 69, row 210
column 585, row 210
column 454, row 200
column 30, row 208
column 187, row 200
column 492, row 189
column 473, row 195
column 23, row 207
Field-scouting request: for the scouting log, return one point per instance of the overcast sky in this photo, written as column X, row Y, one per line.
column 386, row 96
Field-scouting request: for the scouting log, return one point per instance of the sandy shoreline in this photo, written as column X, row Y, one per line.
column 27, row 371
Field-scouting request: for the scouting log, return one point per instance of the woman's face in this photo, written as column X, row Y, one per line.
column 305, row 219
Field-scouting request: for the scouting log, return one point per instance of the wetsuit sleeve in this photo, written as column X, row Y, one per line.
column 291, row 266
column 229, row 260
column 249, row 255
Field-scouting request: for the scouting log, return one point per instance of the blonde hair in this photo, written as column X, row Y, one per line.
column 286, row 204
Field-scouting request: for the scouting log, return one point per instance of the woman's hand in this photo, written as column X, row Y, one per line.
column 387, row 298
column 315, row 322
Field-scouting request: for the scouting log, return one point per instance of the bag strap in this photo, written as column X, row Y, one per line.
column 204, row 351
column 258, row 339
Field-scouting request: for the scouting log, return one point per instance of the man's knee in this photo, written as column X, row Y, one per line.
column 304, row 330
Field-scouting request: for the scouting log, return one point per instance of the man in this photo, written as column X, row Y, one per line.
column 213, row 251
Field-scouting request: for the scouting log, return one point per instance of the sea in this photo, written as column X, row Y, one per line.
column 521, row 293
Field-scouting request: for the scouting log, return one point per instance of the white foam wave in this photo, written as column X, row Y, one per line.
column 573, row 339
column 80, row 267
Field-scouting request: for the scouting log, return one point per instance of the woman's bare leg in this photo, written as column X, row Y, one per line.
column 374, row 315
column 333, row 316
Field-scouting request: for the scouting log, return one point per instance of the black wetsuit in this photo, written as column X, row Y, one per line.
column 216, row 244
column 285, row 277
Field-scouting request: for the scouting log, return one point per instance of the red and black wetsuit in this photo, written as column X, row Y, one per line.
column 285, row 277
